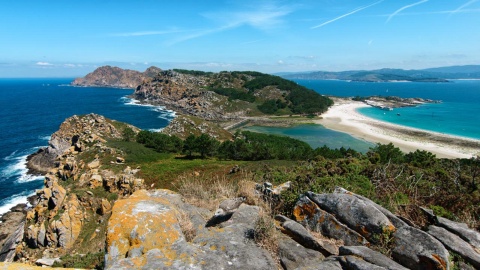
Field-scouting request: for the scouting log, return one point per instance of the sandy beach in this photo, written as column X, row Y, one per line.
column 343, row 117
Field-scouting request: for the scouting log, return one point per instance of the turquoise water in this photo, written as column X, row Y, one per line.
column 458, row 114
column 317, row 136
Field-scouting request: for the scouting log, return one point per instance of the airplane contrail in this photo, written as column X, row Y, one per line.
column 347, row 14
column 464, row 5
column 403, row 8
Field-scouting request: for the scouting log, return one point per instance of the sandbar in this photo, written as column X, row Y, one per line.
column 343, row 117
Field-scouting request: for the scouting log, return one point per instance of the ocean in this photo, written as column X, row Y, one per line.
column 32, row 109
column 458, row 114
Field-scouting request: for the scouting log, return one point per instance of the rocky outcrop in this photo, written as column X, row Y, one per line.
column 76, row 134
column 417, row 249
column 456, row 244
column 76, row 189
column 371, row 256
column 295, row 256
column 187, row 94
column 314, row 218
column 357, row 214
column 108, row 76
column 11, row 232
column 145, row 231
column 347, row 217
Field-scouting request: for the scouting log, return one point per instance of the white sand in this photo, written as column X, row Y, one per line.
column 343, row 117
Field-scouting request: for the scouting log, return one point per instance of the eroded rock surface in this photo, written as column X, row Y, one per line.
column 145, row 231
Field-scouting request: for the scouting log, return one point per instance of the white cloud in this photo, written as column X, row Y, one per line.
column 43, row 64
column 260, row 17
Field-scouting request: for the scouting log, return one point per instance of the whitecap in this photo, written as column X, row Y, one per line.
column 156, row 129
column 11, row 156
column 134, row 102
column 18, row 169
column 44, row 138
column 11, row 201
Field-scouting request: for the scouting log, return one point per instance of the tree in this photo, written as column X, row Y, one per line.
column 206, row 145
column 189, row 145
column 387, row 153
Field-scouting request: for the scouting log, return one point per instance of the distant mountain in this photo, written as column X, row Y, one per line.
column 441, row 74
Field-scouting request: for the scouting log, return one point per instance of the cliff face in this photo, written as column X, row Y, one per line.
column 108, row 76
column 83, row 178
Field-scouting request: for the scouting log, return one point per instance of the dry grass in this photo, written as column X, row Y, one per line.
column 208, row 191
column 186, row 225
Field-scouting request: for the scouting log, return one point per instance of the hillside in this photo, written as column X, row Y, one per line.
column 213, row 96
column 441, row 74
column 108, row 76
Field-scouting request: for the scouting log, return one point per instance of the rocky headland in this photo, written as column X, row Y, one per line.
column 108, row 76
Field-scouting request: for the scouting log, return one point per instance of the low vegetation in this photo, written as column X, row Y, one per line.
column 398, row 181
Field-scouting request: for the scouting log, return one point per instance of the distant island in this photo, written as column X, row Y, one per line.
column 442, row 74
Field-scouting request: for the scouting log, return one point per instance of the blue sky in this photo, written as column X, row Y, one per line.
column 59, row 38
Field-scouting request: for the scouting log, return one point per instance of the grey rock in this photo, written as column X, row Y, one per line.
column 318, row 220
column 227, row 247
column 330, row 263
column 357, row 214
column 416, row 249
column 396, row 221
column 11, row 234
column 464, row 266
column 356, row 263
column 46, row 261
column 456, row 244
column 294, row 256
column 462, row 230
column 303, row 237
column 371, row 256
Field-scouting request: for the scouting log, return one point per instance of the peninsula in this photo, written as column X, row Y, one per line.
column 228, row 100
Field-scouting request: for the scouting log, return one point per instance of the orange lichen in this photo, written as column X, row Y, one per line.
column 145, row 221
column 439, row 259
column 305, row 210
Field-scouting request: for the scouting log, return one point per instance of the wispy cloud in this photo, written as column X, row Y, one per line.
column 460, row 8
column 263, row 18
column 403, row 8
column 145, row 33
column 345, row 15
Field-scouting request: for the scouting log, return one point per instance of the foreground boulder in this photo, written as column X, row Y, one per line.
column 357, row 214
column 455, row 243
column 312, row 217
column 295, row 256
column 417, row 249
column 371, row 256
column 148, row 231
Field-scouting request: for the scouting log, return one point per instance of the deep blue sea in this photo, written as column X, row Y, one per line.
column 32, row 109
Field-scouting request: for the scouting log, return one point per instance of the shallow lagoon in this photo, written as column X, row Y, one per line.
column 316, row 136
